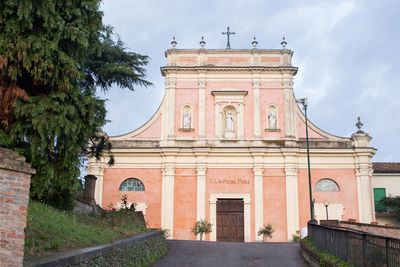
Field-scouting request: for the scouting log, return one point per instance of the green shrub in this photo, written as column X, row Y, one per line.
column 266, row 231
column 201, row 227
column 296, row 236
column 326, row 257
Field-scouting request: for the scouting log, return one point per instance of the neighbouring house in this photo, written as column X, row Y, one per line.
column 385, row 183
column 228, row 144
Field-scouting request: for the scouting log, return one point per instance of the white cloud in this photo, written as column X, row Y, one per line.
column 345, row 51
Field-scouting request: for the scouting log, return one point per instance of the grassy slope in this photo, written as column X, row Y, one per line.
column 50, row 230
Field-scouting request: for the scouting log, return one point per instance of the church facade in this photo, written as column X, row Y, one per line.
column 228, row 144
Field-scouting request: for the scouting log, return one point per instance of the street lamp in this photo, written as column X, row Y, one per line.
column 304, row 102
column 326, row 204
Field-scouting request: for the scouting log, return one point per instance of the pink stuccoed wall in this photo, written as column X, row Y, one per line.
column 185, row 202
column 301, row 130
column 274, row 204
column 153, row 131
column 151, row 178
column 345, row 178
column 186, row 93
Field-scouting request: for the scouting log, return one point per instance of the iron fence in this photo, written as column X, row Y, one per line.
column 355, row 247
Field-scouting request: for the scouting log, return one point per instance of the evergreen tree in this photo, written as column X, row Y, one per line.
column 53, row 56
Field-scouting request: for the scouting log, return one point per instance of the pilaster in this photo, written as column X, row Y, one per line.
column 217, row 120
column 292, row 196
column 241, row 120
column 289, row 104
column 364, row 186
column 167, row 190
column 257, row 121
column 170, row 84
column 202, row 107
column 258, row 169
column 201, row 168
column 363, row 155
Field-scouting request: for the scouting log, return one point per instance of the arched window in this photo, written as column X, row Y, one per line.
column 326, row 185
column 131, row 184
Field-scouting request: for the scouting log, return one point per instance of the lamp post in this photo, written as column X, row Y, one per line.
column 304, row 102
column 326, row 204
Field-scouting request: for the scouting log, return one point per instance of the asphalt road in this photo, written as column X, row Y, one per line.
column 201, row 253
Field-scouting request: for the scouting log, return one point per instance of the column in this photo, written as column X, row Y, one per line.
column 202, row 108
column 258, row 201
column 167, row 196
column 257, row 121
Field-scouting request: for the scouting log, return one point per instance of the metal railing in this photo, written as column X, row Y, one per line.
column 355, row 247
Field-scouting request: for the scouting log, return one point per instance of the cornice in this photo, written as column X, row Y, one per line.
column 230, row 93
column 249, row 69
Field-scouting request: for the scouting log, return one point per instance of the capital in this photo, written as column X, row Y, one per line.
column 256, row 85
column 258, row 170
column 202, row 84
column 170, row 83
column 291, row 171
column 287, row 83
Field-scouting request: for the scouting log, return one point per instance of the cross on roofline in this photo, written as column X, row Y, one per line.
column 228, row 44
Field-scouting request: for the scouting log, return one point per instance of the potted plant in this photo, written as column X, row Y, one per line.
column 201, row 227
column 266, row 231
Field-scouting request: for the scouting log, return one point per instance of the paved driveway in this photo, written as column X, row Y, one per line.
column 197, row 253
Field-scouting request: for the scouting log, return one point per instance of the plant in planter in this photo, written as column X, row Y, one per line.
column 266, row 231
column 201, row 227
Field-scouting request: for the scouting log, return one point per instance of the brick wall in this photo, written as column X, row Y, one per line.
column 15, row 180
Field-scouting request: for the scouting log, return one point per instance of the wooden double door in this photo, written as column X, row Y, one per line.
column 230, row 220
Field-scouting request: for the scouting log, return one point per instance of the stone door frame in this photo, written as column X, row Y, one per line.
column 247, row 213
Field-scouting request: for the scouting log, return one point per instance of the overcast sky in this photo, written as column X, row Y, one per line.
column 346, row 51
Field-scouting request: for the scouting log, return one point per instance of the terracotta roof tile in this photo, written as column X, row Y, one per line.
column 386, row 167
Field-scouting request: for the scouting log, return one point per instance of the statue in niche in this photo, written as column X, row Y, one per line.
column 229, row 121
column 186, row 119
column 272, row 119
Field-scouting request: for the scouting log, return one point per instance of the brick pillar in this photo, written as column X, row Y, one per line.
column 90, row 186
column 15, row 179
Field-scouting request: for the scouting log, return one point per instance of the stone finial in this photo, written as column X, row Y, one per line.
column 360, row 138
column 254, row 43
column 359, row 125
column 283, row 43
column 173, row 43
column 202, row 42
